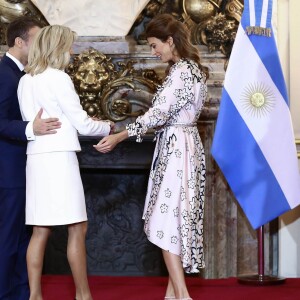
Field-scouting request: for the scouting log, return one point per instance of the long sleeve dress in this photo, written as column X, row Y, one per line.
column 174, row 203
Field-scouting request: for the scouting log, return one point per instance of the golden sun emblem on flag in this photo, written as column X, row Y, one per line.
column 258, row 99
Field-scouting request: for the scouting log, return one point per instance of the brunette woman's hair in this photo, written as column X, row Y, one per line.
column 164, row 26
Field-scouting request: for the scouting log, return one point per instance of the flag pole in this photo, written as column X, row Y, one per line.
column 261, row 278
column 261, row 252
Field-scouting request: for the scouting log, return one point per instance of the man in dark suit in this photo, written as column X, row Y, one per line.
column 14, row 134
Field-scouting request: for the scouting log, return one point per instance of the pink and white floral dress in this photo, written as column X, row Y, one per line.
column 174, row 203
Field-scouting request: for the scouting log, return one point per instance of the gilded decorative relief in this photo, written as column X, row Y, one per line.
column 111, row 91
column 11, row 9
column 213, row 23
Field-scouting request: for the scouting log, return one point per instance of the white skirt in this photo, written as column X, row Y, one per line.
column 54, row 191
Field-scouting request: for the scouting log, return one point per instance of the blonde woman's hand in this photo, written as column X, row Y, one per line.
column 95, row 119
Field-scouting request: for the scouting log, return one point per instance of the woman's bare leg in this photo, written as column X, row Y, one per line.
column 35, row 257
column 176, row 274
column 77, row 259
column 170, row 289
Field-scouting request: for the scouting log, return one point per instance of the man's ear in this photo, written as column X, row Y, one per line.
column 18, row 42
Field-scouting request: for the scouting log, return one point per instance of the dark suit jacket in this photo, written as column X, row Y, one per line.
column 13, row 140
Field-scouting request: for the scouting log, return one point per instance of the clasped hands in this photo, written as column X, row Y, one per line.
column 109, row 142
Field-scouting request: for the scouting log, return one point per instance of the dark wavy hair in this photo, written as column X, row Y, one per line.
column 164, row 26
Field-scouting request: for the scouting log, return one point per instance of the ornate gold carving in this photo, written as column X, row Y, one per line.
column 217, row 28
column 11, row 9
column 234, row 9
column 200, row 10
column 111, row 91
column 217, row 33
column 212, row 22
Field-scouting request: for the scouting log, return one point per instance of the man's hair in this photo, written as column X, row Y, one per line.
column 20, row 28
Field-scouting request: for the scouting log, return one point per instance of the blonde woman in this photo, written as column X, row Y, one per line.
column 54, row 192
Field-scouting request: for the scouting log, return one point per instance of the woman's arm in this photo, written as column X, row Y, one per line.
column 69, row 103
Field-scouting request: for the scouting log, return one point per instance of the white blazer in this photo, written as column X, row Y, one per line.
column 53, row 90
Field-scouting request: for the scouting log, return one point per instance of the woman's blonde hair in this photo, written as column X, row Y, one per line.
column 50, row 48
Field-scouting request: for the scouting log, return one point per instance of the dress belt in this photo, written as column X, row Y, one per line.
column 181, row 124
column 159, row 132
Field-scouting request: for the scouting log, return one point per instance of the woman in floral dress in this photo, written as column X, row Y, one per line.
column 174, row 204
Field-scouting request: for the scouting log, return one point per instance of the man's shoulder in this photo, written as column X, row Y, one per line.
column 6, row 68
column 6, row 62
column 3, row 65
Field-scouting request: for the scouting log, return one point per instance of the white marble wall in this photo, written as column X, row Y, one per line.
column 93, row 18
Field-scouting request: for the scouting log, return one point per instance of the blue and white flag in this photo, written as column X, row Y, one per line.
column 254, row 144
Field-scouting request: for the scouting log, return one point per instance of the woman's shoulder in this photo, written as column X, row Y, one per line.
column 55, row 76
column 55, row 73
column 49, row 72
column 183, row 65
column 191, row 67
column 50, row 78
column 187, row 64
column 27, row 78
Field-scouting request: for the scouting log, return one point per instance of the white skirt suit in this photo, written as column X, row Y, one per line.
column 54, row 191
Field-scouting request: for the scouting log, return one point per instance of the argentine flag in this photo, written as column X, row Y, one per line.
column 254, row 144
